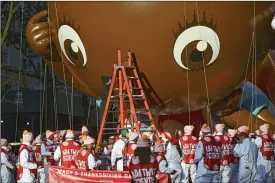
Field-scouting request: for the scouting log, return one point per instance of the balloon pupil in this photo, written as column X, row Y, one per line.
column 73, row 54
column 197, row 56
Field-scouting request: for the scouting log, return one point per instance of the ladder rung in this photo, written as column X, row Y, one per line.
column 116, row 128
column 112, row 111
column 109, row 133
column 145, row 120
column 129, row 67
column 135, row 88
column 129, row 77
column 119, row 100
column 137, row 95
column 111, row 122
column 124, row 95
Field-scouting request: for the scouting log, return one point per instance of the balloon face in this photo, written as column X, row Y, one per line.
column 193, row 53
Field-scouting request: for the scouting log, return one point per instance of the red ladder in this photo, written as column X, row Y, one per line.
column 129, row 89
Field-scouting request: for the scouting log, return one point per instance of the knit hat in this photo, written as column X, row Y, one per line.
column 88, row 140
column 243, row 129
column 84, row 129
column 205, row 128
column 70, row 134
column 48, row 133
column 124, row 131
column 219, row 127
column 232, row 132
column 37, row 140
column 133, row 136
column 188, row 129
column 27, row 136
column 264, row 128
column 143, row 141
column 158, row 147
column 174, row 140
column 3, row 141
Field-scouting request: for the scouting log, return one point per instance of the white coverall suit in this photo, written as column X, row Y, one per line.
column 117, row 156
column 26, row 165
column 266, row 168
column 174, row 162
column 5, row 164
column 45, row 154
column 204, row 175
column 248, row 153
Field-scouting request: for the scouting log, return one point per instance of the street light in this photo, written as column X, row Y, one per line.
column 2, row 121
column 28, row 123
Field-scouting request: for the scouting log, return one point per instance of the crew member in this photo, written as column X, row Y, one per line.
column 66, row 152
column 38, row 157
column 208, row 155
column 117, row 156
column 129, row 149
column 174, row 158
column 266, row 156
column 143, row 166
column 47, row 151
column 188, row 145
column 27, row 167
column 247, row 151
column 107, row 150
column 6, row 164
column 161, row 160
column 84, row 159
column 225, row 170
column 234, row 161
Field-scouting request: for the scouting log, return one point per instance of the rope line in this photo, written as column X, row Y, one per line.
column 19, row 70
column 205, row 76
column 187, row 73
column 53, row 78
column 64, row 75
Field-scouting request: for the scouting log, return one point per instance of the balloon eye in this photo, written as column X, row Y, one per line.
column 72, row 46
column 206, row 39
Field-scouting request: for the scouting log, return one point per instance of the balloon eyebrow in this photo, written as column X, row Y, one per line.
column 68, row 21
column 195, row 22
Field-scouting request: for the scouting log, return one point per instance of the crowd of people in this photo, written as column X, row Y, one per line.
column 234, row 156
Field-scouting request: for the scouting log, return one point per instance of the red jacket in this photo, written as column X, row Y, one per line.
column 212, row 153
column 69, row 150
column 189, row 144
column 267, row 147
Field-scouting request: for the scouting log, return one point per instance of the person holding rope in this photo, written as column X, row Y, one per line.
column 247, row 151
column 6, row 163
column 143, row 166
column 27, row 166
column 225, row 169
column 41, row 176
column 47, row 151
column 174, row 158
column 188, row 145
column 266, row 158
column 233, row 161
column 66, row 152
column 129, row 149
column 117, row 155
column 84, row 159
column 207, row 156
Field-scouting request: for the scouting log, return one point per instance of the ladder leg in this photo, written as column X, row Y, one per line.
column 121, row 102
column 105, row 111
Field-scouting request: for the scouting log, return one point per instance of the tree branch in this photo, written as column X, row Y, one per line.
column 12, row 10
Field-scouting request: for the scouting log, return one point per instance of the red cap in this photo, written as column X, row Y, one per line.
column 174, row 140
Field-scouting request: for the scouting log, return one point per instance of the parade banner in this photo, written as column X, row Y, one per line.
column 68, row 175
